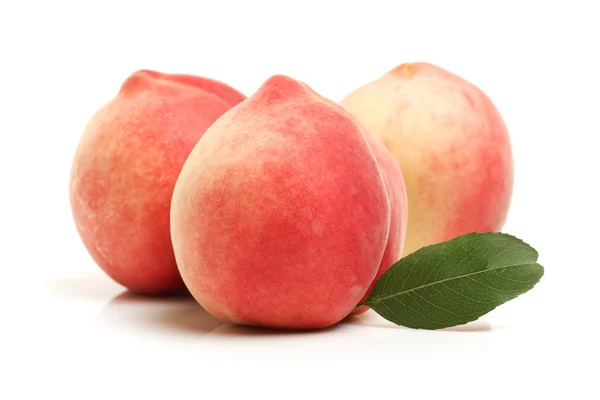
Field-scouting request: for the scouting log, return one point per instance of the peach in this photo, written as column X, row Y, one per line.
column 452, row 147
column 280, row 216
column 125, row 169
column 396, row 191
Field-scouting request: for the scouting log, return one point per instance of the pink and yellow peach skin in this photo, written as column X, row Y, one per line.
column 451, row 144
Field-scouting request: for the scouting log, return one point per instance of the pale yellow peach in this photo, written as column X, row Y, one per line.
column 451, row 144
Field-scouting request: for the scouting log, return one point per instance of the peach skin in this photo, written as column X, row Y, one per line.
column 451, row 144
column 125, row 168
column 280, row 216
column 396, row 191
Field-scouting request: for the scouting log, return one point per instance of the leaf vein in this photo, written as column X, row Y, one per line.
column 468, row 275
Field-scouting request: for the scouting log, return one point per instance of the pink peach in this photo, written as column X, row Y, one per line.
column 281, row 216
column 125, row 168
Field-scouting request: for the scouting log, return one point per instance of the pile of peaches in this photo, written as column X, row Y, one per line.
column 283, row 209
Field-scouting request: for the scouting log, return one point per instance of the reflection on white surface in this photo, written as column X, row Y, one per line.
column 94, row 286
column 179, row 314
column 177, row 321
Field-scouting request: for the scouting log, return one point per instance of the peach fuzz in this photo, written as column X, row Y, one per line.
column 451, row 144
column 125, row 169
column 281, row 216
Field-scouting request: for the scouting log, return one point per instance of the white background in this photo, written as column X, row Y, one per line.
column 69, row 332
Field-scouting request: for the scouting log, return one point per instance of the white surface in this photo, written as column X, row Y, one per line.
column 69, row 332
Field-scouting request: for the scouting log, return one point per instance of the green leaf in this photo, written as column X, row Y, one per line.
column 455, row 282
